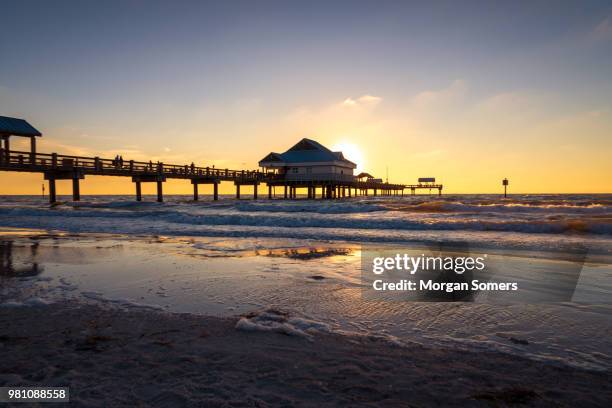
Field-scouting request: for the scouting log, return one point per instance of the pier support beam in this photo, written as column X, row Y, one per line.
column 205, row 180
column 76, row 190
column 32, row 150
column 160, row 192
column 7, row 148
column 73, row 174
column 238, row 184
column 285, row 191
column 52, row 193
column 149, row 178
column 269, row 191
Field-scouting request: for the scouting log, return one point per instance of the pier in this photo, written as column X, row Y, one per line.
column 54, row 166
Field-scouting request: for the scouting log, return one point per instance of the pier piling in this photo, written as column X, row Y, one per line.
column 138, row 191
column 76, row 191
column 52, row 194
column 160, row 192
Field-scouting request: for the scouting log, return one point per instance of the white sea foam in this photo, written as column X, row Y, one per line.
column 557, row 222
column 280, row 322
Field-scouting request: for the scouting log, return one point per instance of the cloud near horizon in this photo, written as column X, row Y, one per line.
column 363, row 101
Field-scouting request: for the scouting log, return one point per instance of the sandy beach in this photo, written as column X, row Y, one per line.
column 113, row 357
column 165, row 321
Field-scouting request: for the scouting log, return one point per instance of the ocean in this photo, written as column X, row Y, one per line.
column 564, row 223
column 269, row 259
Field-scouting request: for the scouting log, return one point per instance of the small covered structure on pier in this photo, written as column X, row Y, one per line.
column 363, row 176
column 16, row 127
column 309, row 160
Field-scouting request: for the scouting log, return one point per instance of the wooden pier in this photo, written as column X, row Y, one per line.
column 424, row 186
column 54, row 166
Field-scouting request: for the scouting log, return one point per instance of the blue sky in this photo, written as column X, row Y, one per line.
column 157, row 78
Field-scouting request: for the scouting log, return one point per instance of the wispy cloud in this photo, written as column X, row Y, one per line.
column 602, row 31
column 441, row 98
column 362, row 101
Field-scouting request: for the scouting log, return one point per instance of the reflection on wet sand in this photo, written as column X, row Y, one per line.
column 19, row 261
column 306, row 253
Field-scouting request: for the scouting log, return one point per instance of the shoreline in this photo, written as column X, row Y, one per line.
column 231, row 277
column 112, row 356
column 11, row 233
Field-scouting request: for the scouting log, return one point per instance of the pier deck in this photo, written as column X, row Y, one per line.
column 65, row 167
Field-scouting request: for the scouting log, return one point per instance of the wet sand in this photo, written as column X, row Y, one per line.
column 228, row 322
column 111, row 357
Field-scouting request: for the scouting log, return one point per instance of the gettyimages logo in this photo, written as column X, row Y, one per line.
column 442, row 273
column 414, row 263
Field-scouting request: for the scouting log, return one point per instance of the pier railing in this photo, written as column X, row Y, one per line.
column 26, row 161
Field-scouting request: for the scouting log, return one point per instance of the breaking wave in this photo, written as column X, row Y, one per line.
column 533, row 221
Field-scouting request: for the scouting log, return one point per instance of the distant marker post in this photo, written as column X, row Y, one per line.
column 505, row 184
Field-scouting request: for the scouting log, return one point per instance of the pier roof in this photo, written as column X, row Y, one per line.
column 17, row 127
column 307, row 151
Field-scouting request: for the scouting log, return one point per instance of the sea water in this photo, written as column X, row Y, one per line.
column 302, row 258
column 563, row 223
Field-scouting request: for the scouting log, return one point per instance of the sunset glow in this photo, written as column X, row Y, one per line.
column 351, row 152
column 532, row 105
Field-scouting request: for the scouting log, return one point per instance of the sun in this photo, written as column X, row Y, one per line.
column 351, row 152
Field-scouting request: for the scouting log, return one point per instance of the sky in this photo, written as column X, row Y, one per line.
column 468, row 92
